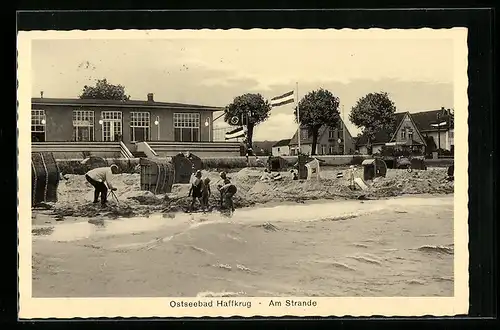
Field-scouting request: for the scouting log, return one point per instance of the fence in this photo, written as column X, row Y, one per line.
column 62, row 150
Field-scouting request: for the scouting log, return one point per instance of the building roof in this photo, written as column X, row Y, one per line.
column 382, row 136
column 121, row 104
column 282, row 143
column 424, row 119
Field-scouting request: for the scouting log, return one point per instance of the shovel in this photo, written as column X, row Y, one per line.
column 111, row 192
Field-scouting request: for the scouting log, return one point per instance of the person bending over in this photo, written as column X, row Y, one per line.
column 227, row 192
column 100, row 178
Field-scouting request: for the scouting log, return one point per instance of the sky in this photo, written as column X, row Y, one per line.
column 417, row 73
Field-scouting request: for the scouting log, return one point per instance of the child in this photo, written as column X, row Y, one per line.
column 205, row 193
column 224, row 177
column 266, row 176
column 196, row 189
column 227, row 192
column 225, row 181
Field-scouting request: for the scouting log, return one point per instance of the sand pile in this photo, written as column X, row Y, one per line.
column 76, row 195
column 77, row 190
column 289, row 189
column 399, row 182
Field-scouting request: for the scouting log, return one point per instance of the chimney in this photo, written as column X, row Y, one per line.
column 150, row 97
column 41, row 94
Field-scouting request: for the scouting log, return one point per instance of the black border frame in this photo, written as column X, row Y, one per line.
column 482, row 116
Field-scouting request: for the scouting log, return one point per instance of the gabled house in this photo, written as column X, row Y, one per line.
column 331, row 141
column 406, row 134
column 438, row 125
column 281, row 148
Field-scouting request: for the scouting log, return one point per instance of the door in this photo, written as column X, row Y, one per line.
column 111, row 126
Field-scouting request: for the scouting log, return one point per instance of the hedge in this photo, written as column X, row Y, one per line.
column 74, row 166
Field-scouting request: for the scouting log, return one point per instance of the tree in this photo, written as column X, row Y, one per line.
column 103, row 90
column 316, row 109
column 250, row 109
column 373, row 113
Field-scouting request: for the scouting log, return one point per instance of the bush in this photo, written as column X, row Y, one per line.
column 76, row 167
column 232, row 163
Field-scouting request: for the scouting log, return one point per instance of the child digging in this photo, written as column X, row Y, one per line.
column 196, row 190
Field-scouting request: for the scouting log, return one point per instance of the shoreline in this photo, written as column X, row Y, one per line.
column 50, row 219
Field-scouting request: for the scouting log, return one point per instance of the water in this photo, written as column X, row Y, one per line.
column 181, row 221
column 401, row 246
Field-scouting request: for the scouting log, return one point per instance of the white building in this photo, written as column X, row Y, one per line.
column 443, row 135
column 281, row 148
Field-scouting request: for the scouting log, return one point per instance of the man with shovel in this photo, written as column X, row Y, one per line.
column 100, row 178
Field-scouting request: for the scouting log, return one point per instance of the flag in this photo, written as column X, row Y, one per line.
column 282, row 99
column 235, row 133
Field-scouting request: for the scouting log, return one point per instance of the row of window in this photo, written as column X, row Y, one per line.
column 406, row 133
column 333, row 134
column 186, row 126
column 330, row 149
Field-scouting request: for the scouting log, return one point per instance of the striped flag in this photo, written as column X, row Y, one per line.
column 235, row 133
column 283, row 99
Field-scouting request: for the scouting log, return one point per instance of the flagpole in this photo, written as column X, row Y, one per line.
column 343, row 129
column 298, row 117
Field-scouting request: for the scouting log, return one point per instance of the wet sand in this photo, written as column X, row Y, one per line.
column 393, row 247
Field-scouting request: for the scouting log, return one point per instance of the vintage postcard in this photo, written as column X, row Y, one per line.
column 192, row 173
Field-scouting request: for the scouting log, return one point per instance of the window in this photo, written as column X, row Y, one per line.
column 278, row 149
column 83, row 125
column 186, row 127
column 403, row 133
column 450, row 134
column 303, row 134
column 38, row 125
column 410, row 135
column 139, row 126
column 112, row 126
column 323, row 149
column 331, row 133
column 331, row 149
